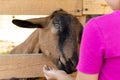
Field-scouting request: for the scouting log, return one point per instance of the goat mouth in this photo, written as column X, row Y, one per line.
column 69, row 67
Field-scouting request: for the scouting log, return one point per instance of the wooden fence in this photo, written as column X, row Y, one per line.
column 24, row 65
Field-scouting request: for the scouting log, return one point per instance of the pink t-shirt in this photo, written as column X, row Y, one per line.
column 100, row 47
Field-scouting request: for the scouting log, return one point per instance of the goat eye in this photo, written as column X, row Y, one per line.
column 57, row 26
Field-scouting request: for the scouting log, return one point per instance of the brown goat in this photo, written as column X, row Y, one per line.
column 57, row 36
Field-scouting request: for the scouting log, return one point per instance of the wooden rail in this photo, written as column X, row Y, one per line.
column 36, row 7
column 45, row 7
column 23, row 65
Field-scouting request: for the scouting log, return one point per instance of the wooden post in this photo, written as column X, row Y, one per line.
column 95, row 7
column 82, row 19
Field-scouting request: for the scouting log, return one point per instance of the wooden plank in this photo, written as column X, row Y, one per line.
column 22, row 65
column 79, row 7
column 45, row 7
column 36, row 7
column 95, row 7
column 82, row 19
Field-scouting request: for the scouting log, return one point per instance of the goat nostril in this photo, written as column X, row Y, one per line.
column 72, row 63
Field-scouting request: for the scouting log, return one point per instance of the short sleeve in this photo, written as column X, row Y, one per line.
column 91, row 49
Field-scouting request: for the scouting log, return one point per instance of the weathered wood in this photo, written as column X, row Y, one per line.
column 36, row 7
column 82, row 19
column 23, row 65
column 45, row 7
column 95, row 7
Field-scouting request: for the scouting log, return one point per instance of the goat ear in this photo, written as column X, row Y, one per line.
column 31, row 23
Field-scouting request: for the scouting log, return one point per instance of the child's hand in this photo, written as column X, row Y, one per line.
column 53, row 74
